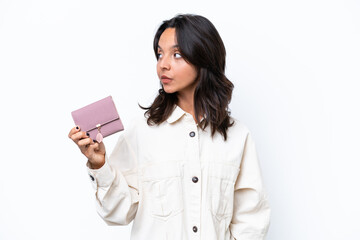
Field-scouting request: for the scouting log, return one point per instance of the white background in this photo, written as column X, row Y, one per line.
column 295, row 67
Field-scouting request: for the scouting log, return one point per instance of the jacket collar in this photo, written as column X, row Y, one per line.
column 177, row 113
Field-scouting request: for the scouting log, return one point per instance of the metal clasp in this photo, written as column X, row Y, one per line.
column 98, row 127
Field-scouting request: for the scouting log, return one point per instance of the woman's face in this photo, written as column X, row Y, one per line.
column 175, row 73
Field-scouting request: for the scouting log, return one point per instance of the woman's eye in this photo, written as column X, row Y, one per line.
column 177, row 55
column 159, row 55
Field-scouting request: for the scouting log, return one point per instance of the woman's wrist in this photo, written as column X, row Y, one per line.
column 93, row 165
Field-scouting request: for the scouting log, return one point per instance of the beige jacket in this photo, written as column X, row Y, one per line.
column 176, row 182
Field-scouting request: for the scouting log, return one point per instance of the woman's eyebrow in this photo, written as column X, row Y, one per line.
column 174, row 46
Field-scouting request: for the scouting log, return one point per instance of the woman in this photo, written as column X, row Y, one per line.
column 187, row 170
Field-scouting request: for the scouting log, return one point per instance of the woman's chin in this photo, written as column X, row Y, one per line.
column 169, row 90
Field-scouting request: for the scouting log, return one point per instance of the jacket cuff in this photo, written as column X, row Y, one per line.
column 249, row 236
column 102, row 177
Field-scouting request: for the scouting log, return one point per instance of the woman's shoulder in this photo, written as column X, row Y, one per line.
column 138, row 124
column 239, row 131
column 238, row 125
column 132, row 126
column 136, row 121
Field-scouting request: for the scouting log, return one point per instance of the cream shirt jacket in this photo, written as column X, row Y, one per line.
column 176, row 182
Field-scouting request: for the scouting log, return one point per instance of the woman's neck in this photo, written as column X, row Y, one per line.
column 186, row 100
column 186, row 103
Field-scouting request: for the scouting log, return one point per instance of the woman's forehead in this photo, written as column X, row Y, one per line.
column 168, row 39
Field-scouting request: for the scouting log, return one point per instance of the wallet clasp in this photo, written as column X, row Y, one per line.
column 99, row 136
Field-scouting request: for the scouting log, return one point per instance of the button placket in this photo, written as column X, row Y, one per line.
column 194, row 175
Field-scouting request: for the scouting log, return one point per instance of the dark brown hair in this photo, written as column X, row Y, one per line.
column 201, row 45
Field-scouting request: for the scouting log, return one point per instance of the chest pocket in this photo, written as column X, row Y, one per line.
column 163, row 188
column 221, row 183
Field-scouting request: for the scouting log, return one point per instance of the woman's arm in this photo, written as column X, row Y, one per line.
column 251, row 217
column 114, row 179
column 116, row 185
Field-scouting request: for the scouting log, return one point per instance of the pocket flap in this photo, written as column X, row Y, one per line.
column 223, row 171
column 161, row 170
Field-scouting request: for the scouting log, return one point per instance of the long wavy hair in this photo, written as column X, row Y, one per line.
column 201, row 45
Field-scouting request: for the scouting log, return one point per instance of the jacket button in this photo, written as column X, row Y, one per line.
column 194, row 228
column 192, row 134
column 92, row 178
column 195, row 179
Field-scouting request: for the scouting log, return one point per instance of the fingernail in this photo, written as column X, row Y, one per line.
column 88, row 134
column 77, row 127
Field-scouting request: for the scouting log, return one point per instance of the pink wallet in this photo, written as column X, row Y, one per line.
column 100, row 119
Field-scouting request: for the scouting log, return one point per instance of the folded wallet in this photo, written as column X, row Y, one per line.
column 100, row 119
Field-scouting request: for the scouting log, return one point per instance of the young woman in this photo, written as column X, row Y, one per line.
column 186, row 169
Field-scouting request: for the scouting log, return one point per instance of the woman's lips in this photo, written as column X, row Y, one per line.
column 165, row 79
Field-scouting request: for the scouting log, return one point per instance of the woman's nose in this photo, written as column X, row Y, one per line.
column 165, row 63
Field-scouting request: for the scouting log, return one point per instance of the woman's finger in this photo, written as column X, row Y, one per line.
column 73, row 131
column 94, row 146
column 97, row 146
column 84, row 142
column 97, row 149
column 78, row 136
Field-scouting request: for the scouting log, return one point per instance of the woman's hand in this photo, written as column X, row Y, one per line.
column 94, row 151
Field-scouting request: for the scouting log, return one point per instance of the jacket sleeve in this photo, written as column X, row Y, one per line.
column 251, row 217
column 116, row 183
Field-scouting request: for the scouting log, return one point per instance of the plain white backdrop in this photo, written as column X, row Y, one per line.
column 295, row 67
